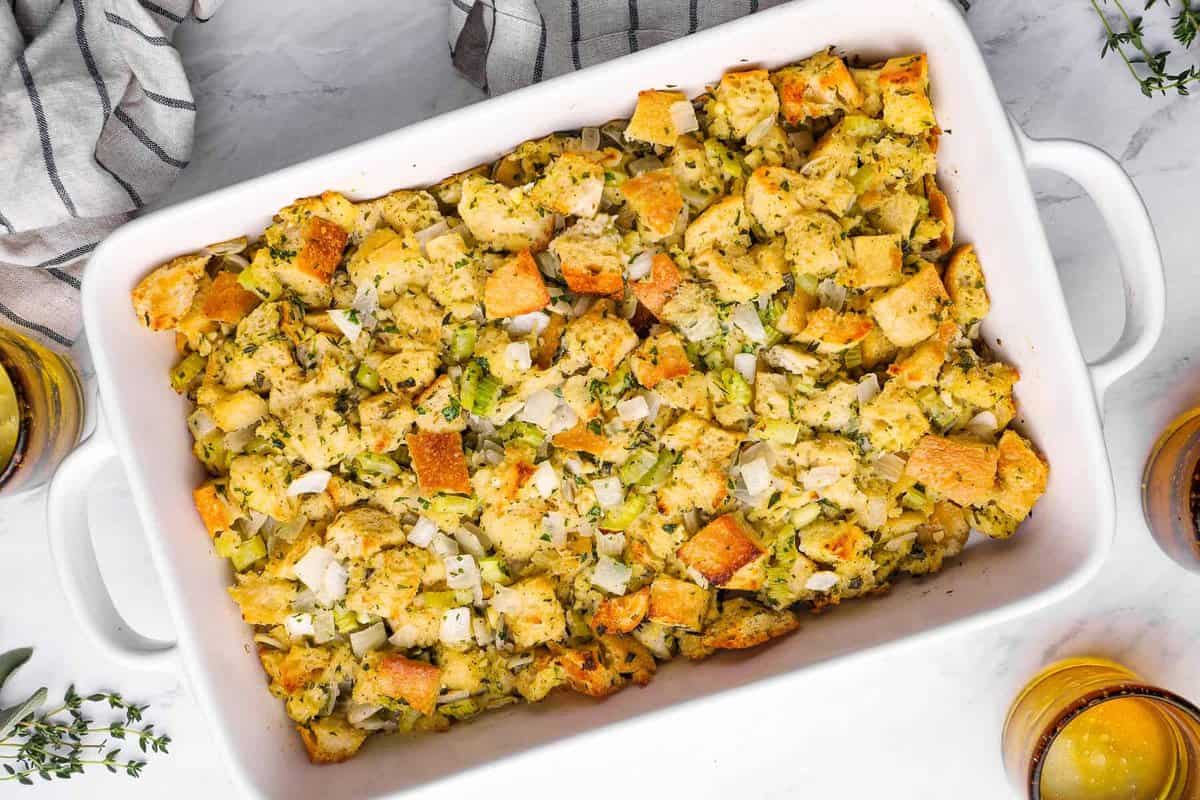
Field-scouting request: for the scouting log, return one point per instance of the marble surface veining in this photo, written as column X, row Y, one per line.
column 919, row 722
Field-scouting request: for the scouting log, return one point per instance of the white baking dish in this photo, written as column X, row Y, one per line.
column 983, row 166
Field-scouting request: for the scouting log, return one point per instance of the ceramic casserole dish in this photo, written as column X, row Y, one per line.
column 983, row 163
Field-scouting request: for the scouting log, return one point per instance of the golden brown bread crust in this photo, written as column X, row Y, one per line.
column 322, row 249
column 515, row 287
column 439, row 462
column 961, row 469
column 720, row 549
column 659, row 286
column 654, row 196
column 621, row 614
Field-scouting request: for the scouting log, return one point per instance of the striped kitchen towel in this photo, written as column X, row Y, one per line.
column 501, row 45
column 95, row 122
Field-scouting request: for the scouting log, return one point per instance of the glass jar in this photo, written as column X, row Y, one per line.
column 1170, row 492
column 41, row 412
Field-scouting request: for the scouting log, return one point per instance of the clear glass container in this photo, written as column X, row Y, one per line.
column 1170, row 493
column 1092, row 729
column 41, row 412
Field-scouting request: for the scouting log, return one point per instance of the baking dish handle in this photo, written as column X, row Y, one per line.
column 1128, row 222
column 75, row 559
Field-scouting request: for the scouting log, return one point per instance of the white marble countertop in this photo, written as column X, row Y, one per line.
column 917, row 722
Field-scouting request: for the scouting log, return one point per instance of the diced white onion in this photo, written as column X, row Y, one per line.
column 683, row 116
column 640, row 266
column 298, row 625
column 406, row 636
column 874, row 512
column 366, row 302
column 236, row 441
column 757, row 476
column 746, row 365
column 745, row 317
column 573, row 465
column 269, row 641
column 518, row 355
column 360, row 712
column 644, row 164
column 697, row 577
column 201, row 423
column 555, row 525
column 611, row 576
column 456, row 626
column 482, row 632
column 461, row 572
column 539, row 408
column 691, row 520
column 505, row 411
column 324, row 627
column 310, row 569
column 759, row 131
column 253, row 522
column 366, row 640
column 563, row 419
column 516, row 662
column 868, row 387
column 525, row 324
column 346, row 322
column 545, row 479
column 983, row 424
column 831, row 294
column 608, row 492
column 633, row 409
column 312, row 482
column 470, row 542
column 821, row 581
column 582, row 306
column 507, row 601
column 442, row 545
column 758, row 450
column 435, row 230
column 333, row 585
column 549, row 264
column 653, row 404
column 422, row 532
column 895, row 545
column 889, row 466
column 453, row 697
column 610, row 544
column 819, row 477
column 589, row 139
column 655, row 637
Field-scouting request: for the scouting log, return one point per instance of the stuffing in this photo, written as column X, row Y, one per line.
column 832, row 332
column 743, row 102
column 216, row 511
column 226, row 301
column 743, row 624
column 962, row 470
column 966, row 287
column 912, row 312
column 502, row 218
column 600, row 337
column 540, row 618
column 515, row 287
column 331, row 740
column 390, row 676
column 362, row 532
column 892, row 420
column 816, row 244
column 386, row 419
column 410, row 369
column 165, row 295
column 455, row 275
column 724, row 225
column 877, row 262
column 659, row 286
column 738, row 276
column 259, row 483
column 816, row 87
column 1022, row 476
column 720, row 549
column 660, row 357
column 678, row 604
column 319, row 433
column 655, row 199
column 828, row 409
column 660, row 118
column 407, row 210
column 623, row 613
column 592, row 258
column 439, row 463
column 904, row 86
column 573, row 184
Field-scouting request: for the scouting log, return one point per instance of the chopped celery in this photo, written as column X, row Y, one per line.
column 852, row 357
column 460, row 709
column 464, row 597
column 344, row 619
column 248, row 552
column 226, row 543
column 187, row 372
column 914, row 499
column 714, row 360
column 941, row 415
column 620, row 380
column 659, row 473
column 778, row 587
column 462, row 343
column 213, row 452
column 477, row 390
column 640, row 462
column 781, row 431
column 493, row 570
column 259, row 281
column 453, row 504
column 441, row 600
column 735, row 386
column 624, row 515
column 719, row 153
column 806, row 515
column 861, row 126
column 807, row 284
column 375, row 468
column 468, row 384
column 516, row 430
column 367, row 377
column 862, row 179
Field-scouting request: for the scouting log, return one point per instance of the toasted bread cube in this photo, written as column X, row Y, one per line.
column 691, row 433
column 319, row 434
column 659, row 286
column 833, row 331
column 439, row 462
column 696, row 483
column 238, row 410
column 743, row 624
column 912, row 312
column 660, row 357
column 720, row 549
column 939, row 208
column 629, row 658
column 390, row 262
column 217, row 513
column 982, row 386
column 738, row 276
column 331, row 740
column 455, row 276
column 878, row 261
column 263, row 601
column 835, row 543
column 539, row 678
column 165, row 296
column 816, row 87
column 260, row 484
column 586, row 672
column 437, row 408
column 392, row 676
column 621, row 614
column 572, row 184
column 389, row 584
column 1023, row 476
column 600, row 337
column 541, row 618
column 966, row 287
column 408, row 210
column 741, row 102
column 829, row 409
column 921, row 366
column 892, row 420
column 795, row 314
column 515, row 287
column 904, row 86
column 654, row 197
column 896, row 213
column 227, row 301
column 658, row 119
column 582, row 439
column 961, row 470
column 815, row 244
column 362, row 532
column 305, row 254
column 592, row 259
column 331, row 206
column 410, row 369
column 725, row 225
column 386, row 419
column 503, row 218
column 678, row 604
column 774, row 195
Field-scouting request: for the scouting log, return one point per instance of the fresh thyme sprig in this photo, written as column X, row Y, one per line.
column 63, row 741
column 1126, row 38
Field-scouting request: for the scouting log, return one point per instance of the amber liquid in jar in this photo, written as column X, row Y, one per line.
column 1171, row 490
column 41, row 412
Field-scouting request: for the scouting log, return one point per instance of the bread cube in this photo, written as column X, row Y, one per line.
column 362, row 532
column 720, row 549
column 455, row 276
column 743, row 624
column 816, row 244
column 259, row 483
column 658, row 120
column 319, row 433
column 939, row 209
column 439, row 462
column 502, row 218
column 515, row 287
column 659, row 286
column 904, row 86
column 389, row 583
column 896, row 213
column 541, row 618
column 331, row 740
column 165, row 296
column 437, row 408
column 621, row 614
column 828, row 409
column 966, row 286
column 263, row 601
column 723, row 225
column 741, row 102
column 216, row 512
column 959, row 469
column 226, row 300
column 912, row 311
column 592, row 258
column 408, row 210
column 816, row 87
column 629, row 658
column 1022, row 474
column 878, row 261
column 411, row 369
column 655, row 199
column 678, row 604
column 390, row 262
column 386, row 419
column 892, row 420
column 660, row 357
column 738, row 276
column 832, row 331
column 573, row 184
column 391, row 676
column 238, row 410
column 586, row 672
column 773, row 196
column 600, row 337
